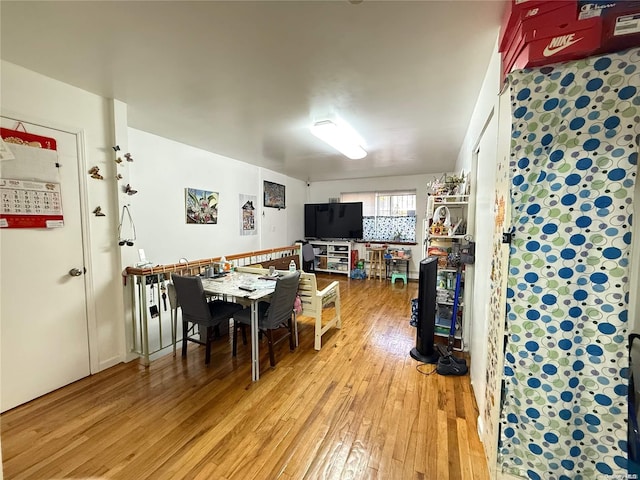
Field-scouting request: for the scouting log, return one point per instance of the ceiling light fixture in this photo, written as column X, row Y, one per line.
column 340, row 136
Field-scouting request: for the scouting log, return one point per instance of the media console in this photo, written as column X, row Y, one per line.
column 332, row 256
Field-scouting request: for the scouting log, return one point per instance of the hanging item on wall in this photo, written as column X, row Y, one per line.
column 118, row 177
column 128, row 157
column 126, row 236
column 116, row 148
column 247, row 214
column 95, row 173
column 274, row 195
column 22, row 137
column 118, row 160
column 5, row 151
column 29, row 204
column 201, row 206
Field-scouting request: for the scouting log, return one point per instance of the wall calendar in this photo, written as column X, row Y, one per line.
column 30, row 204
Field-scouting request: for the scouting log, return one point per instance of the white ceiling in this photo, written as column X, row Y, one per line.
column 246, row 79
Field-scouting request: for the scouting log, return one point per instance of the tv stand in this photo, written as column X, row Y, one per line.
column 332, row 256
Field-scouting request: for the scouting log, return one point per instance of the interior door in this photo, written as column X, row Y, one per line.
column 43, row 317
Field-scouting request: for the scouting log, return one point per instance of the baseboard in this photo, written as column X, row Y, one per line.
column 110, row 362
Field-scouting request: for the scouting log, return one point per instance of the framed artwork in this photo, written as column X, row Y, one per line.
column 248, row 214
column 201, row 206
column 274, row 195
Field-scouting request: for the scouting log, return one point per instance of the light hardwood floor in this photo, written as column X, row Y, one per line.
column 358, row 409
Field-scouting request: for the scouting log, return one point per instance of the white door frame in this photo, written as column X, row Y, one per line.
column 79, row 133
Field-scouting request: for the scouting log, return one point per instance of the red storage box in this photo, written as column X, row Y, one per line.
column 571, row 41
column 534, row 14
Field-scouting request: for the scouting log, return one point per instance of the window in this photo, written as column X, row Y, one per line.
column 387, row 216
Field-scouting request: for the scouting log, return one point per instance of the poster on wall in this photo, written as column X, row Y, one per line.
column 274, row 195
column 247, row 214
column 30, row 204
column 201, row 206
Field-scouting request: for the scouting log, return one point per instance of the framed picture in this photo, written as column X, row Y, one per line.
column 248, row 214
column 274, row 195
column 201, row 206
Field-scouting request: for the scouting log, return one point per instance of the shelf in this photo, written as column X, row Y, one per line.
column 446, row 237
column 439, row 243
column 332, row 256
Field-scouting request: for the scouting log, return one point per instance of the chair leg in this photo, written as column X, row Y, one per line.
column 207, row 354
column 185, row 332
column 317, row 344
column 272, row 357
column 234, row 348
column 292, row 345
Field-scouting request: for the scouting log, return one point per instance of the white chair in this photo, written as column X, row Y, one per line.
column 313, row 302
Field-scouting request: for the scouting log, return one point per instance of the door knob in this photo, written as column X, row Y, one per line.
column 75, row 272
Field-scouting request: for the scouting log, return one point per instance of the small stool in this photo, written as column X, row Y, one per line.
column 376, row 262
column 401, row 276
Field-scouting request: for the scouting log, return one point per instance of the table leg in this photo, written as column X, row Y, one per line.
column 255, row 353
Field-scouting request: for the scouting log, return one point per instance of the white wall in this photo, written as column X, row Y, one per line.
column 37, row 98
column 161, row 171
column 320, row 192
column 482, row 134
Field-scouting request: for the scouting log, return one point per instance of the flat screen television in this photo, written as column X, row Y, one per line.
column 333, row 220
column 424, row 350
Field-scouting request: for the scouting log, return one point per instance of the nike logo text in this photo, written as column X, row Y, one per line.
column 558, row 44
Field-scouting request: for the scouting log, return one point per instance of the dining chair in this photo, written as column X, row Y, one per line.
column 196, row 310
column 308, row 258
column 273, row 315
column 173, row 305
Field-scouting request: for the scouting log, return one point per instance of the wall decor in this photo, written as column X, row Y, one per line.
column 274, row 195
column 248, row 214
column 30, row 204
column 201, row 206
column 95, row 173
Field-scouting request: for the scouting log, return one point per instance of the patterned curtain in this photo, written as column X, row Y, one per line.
column 574, row 154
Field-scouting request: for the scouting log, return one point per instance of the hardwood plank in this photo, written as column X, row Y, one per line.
column 356, row 409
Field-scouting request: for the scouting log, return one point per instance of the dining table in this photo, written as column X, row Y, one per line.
column 247, row 288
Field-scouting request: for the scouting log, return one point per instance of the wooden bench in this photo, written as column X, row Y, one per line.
column 314, row 300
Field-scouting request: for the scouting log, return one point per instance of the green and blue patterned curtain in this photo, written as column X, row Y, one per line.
column 574, row 155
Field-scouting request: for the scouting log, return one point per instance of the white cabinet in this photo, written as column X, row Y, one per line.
column 446, row 233
column 331, row 256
